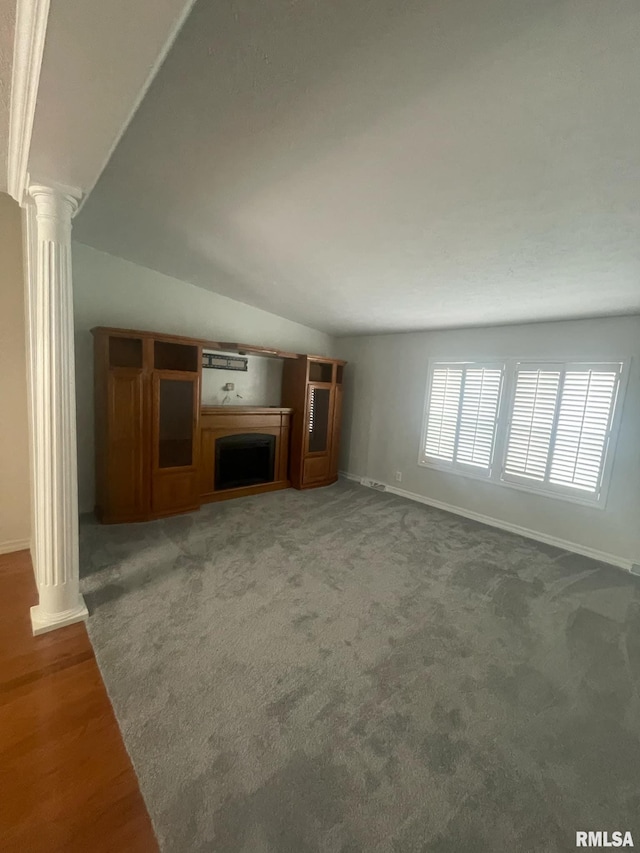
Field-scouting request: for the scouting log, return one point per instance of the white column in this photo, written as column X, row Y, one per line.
column 53, row 405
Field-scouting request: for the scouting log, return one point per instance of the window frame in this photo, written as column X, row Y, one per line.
column 496, row 472
column 464, row 468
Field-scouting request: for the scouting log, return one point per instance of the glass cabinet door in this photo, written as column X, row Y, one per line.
column 176, row 406
column 318, row 414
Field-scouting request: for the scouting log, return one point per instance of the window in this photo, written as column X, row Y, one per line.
column 461, row 417
column 552, row 433
column 560, row 427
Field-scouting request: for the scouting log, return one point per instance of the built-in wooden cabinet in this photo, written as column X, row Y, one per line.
column 312, row 388
column 147, row 404
column 159, row 452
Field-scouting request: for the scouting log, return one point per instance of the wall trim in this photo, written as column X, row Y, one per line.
column 11, row 545
column 28, row 49
column 347, row 476
column 583, row 550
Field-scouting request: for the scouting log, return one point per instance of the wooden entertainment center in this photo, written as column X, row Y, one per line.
column 159, row 451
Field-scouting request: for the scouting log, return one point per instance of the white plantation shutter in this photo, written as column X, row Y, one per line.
column 560, row 426
column 478, row 416
column 442, row 419
column 532, row 420
column 555, row 432
column 462, row 414
column 312, row 402
column 583, row 428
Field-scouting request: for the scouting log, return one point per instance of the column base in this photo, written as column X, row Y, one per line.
column 42, row 622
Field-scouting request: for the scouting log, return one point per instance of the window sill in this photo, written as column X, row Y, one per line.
column 461, row 472
column 519, row 487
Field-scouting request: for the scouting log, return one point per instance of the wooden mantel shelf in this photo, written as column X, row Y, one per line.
column 244, row 410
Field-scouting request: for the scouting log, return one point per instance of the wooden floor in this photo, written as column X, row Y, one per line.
column 66, row 781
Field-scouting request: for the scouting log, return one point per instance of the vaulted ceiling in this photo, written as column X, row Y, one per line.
column 7, row 23
column 375, row 165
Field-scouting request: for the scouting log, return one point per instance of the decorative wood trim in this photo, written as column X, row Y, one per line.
column 28, row 50
column 245, row 410
column 326, row 359
column 225, row 346
column 245, row 491
column 252, row 349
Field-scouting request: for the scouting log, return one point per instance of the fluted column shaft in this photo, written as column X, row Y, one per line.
column 55, row 539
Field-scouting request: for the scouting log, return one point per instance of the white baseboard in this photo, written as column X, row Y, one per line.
column 12, row 545
column 348, row 476
column 602, row 556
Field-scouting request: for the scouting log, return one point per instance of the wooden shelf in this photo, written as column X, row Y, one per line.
column 250, row 349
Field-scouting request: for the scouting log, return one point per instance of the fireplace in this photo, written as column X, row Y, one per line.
column 244, row 460
column 243, row 451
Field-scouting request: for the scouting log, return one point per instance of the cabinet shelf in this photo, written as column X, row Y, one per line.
column 125, row 352
column 320, row 371
column 170, row 356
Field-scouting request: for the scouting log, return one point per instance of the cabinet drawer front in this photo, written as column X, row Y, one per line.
column 316, row 468
column 174, row 491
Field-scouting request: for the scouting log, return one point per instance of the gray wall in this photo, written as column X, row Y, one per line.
column 261, row 385
column 385, row 385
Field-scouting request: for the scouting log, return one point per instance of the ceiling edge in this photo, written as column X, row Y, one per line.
column 28, row 49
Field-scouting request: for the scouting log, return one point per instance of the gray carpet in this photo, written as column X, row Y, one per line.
column 344, row 670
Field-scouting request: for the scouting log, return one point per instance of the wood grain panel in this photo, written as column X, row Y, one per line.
column 316, row 468
column 335, row 431
column 125, row 480
column 175, row 491
column 207, row 460
column 282, row 465
column 238, row 420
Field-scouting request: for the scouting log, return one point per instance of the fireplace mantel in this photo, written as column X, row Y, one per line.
column 244, row 410
column 220, row 421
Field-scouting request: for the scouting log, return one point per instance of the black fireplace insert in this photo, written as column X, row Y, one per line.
column 244, row 460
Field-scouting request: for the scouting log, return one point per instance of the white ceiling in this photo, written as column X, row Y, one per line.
column 7, row 22
column 374, row 165
column 98, row 59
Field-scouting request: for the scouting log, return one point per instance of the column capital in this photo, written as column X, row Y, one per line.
column 54, row 203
